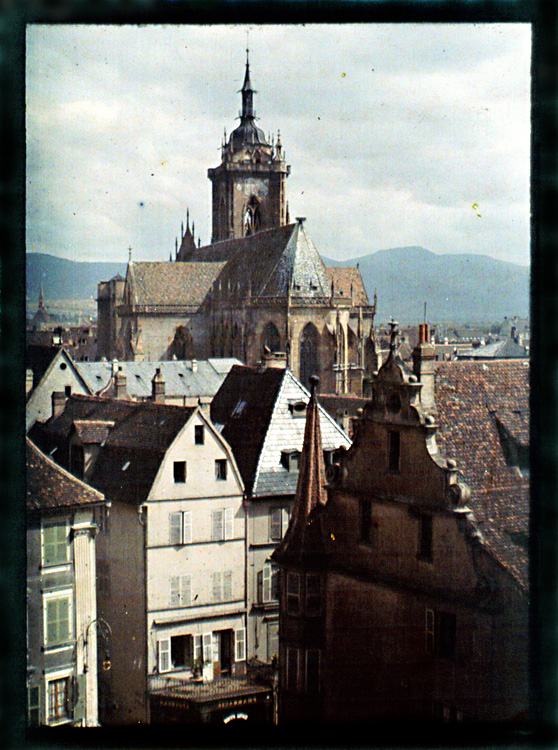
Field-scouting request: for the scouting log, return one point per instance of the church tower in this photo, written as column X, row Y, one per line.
column 249, row 184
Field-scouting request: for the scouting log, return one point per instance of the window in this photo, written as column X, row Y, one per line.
column 207, row 648
column 179, row 470
column 272, row 639
column 222, row 524
column 290, row 459
column 33, row 706
column 425, row 537
column 293, row 593
column 268, row 583
column 181, row 651
column 180, row 591
column 394, row 450
column 180, row 527
column 440, row 632
column 68, row 390
column 279, row 521
column 221, row 586
column 77, row 461
column 55, row 543
column 57, row 614
column 313, row 658
column 303, row 670
column 368, row 525
column 292, row 669
column 313, row 594
column 58, row 692
column 240, row 644
column 220, row 468
column 199, row 434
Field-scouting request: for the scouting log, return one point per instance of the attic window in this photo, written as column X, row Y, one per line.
column 98, row 377
column 239, row 408
column 63, row 365
column 290, row 459
column 298, row 408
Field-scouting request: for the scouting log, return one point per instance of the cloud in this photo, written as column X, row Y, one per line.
column 392, row 133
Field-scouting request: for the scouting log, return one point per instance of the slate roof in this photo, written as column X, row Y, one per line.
column 133, row 449
column 469, row 397
column 255, row 410
column 507, row 349
column 180, row 379
column 49, row 486
column 163, row 283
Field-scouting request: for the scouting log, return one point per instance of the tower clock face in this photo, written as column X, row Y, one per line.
column 254, row 186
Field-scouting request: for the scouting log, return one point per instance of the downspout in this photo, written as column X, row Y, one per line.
column 142, row 510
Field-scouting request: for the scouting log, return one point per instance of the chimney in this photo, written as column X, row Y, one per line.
column 194, row 365
column 58, row 403
column 158, row 387
column 120, row 384
column 424, row 362
column 273, row 359
column 28, row 381
column 114, row 367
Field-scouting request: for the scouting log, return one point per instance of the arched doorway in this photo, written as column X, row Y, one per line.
column 309, row 354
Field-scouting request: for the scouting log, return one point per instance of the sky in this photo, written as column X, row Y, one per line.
column 396, row 134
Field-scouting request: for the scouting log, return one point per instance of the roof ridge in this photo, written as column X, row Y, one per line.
column 279, row 259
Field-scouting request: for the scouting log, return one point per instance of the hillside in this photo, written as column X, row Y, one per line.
column 456, row 287
column 66, row 279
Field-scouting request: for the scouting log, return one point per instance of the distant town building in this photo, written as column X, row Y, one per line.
column 424, row 577
column 259, row 286
column 261, row 413
column 64, row 633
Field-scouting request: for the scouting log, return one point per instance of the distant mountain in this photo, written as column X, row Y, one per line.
column 456, row 287
column 66, row 279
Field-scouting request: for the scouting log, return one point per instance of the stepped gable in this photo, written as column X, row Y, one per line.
column 348, row 283
column 471, row 398
column 243, row 406
column 50, row 486
column 162, row 283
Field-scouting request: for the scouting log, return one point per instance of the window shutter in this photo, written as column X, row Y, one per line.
column 175, row 528
column 240, row 644
column 285, row 520
column 215, row 647
column 266, row 582
column 217, row 525
column 207, row 648
column 186, row 590
column 175, row 591
column 229, row 526
column 227, row 586
column 276, row 523
column 198, row 649
column 187, row 527
column 216, row 587
column 163, row 655
column 313, row 670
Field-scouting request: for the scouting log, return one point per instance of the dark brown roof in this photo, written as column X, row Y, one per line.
column 49, row 486
column 132, row 451
column 164, row 283
column 345, row 279
column 244, row 405
column 470, row 397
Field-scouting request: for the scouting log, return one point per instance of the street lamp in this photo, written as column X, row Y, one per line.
column 106, row 632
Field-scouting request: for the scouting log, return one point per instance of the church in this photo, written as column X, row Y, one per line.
column 260, row 288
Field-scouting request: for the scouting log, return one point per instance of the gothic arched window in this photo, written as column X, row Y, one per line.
column 271, row 338
column 252, row 217
column 183, row 344
column 309, row 356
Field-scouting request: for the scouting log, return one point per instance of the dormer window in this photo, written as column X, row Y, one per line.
column 290, row 459
column 298, row 408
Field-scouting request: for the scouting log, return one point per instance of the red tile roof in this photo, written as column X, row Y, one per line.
column 470, row 396
column 50, row 486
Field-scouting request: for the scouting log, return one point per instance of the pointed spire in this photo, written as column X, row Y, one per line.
column 187, row 220
column 41, row 297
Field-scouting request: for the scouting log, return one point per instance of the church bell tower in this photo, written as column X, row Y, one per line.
column 249, row 184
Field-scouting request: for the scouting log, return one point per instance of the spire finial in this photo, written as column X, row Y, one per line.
column 393, row 335
column 129, row 254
